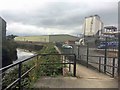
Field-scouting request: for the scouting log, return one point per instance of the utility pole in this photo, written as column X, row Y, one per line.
column 119, row 60
column 118, row 45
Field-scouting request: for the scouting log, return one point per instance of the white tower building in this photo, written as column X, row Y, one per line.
column 92, row 25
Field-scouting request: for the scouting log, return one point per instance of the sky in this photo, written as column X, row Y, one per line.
column 43, row 17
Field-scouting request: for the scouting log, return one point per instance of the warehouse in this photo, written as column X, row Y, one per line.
column 47, row 38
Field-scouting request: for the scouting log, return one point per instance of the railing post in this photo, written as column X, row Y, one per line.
column 19, row 75
column 99, row 64
column 69, row 67
column 74, row 65
column 105, row 59
column 113, row 69
column 37, row 63
column 87, row 53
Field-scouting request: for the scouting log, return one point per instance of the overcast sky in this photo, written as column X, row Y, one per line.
column 41, row 17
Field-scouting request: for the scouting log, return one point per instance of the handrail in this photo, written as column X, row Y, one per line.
column 99, row 56
column 14, row 64
column 11, row 65
column 22, row 75
column 9, row 86
column 103, row 64
column 55, row 54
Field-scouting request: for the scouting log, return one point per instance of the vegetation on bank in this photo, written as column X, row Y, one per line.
column 40, row 69
column 29, row 46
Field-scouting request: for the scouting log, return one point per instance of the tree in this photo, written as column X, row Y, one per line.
column 11, row 37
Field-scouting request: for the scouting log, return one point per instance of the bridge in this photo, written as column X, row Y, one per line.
column 76, row 72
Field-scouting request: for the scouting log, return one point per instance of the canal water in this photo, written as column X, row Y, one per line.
column 23, row 54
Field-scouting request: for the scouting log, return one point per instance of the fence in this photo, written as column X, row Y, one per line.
column 103, row 58
column 100, row 55
column 21, row 74
column 98, row 62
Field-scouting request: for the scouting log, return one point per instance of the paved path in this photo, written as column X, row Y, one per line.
column 86, row 78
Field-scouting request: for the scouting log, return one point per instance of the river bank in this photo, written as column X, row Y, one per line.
column 39, row 70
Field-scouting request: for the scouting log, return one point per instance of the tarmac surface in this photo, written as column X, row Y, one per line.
column 86, row 78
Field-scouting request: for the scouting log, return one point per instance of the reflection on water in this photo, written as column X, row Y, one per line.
column 22, row 55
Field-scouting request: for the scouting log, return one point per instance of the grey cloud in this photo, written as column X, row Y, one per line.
column 60, row 15
column 49, row 16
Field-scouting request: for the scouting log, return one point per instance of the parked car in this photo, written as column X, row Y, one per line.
column 109, row 45
column 67, row 46
column 102, row 46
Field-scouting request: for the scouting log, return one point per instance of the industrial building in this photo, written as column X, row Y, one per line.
column 47, row 38
column 92, row 25
column 2, row 29
column 109, row 31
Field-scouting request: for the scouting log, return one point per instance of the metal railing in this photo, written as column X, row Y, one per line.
column 20, row 75
column 104, row 60
column 109, row 67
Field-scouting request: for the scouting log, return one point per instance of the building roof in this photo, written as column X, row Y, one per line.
column 110, row 27
column 52, row 35
column 93, row 16
column 2, row 19
column 63, row 35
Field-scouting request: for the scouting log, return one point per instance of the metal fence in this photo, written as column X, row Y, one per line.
column 20, row 75
column 100, row 55
column 103, row 58
column 109, row 67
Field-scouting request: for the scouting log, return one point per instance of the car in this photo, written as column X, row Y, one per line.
column 109, row 45
column 67, row 46
column 102, row 46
